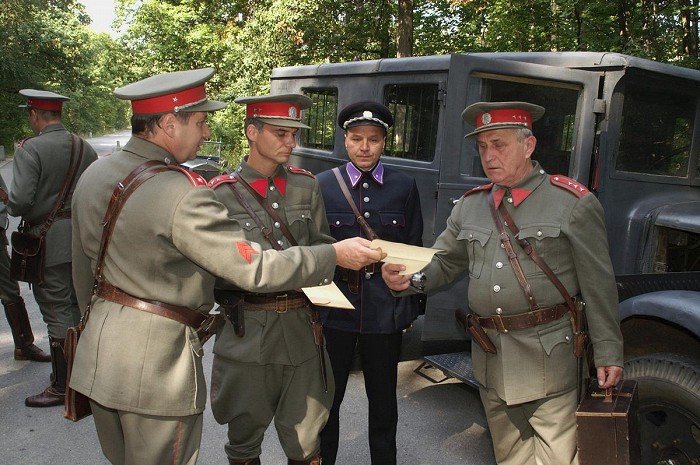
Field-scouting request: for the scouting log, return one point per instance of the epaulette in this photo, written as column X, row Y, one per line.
column 195, row 179
column 23, row 140
column 571, row 185
column 297, row 170
column 221, row 179
column 485, row 187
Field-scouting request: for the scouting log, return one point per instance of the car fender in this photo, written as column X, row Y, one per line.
column 679, row 307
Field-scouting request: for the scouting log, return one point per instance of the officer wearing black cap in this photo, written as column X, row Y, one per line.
column 525, row 329
column 388, row 201
column 41, row 165
column 138, row 360
column 272, row 343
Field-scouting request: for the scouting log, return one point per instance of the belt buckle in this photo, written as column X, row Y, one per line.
column 498, row 322
column 281, row 298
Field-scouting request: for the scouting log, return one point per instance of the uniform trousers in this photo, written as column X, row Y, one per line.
column 56, row 299
column 129, row 438
column 379, row 355
column 540, row 432
column 9, row 288
column 248, row 396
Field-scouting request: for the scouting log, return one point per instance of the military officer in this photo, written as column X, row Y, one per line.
column 528, row 371
column 41, row 166
column 141, row 369
column 389, row 202
column 15, row 310
column 271, row 364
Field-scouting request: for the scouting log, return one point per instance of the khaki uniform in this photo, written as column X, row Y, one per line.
column 40, row 167
column 169, row 241
column 537, row 363
column 273, row 370
column 9, row 288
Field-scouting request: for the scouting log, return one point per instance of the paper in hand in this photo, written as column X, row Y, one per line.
column 327, row 296
column 414, row 258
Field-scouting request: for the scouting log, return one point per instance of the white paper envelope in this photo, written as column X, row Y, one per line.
column 414, row 258
column 327, row 296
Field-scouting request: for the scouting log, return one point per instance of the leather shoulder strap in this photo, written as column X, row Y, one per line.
column 366, row 228
column 232, row 182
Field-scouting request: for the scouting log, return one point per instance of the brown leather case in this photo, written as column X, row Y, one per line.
column 28, row 257
column 607, row 427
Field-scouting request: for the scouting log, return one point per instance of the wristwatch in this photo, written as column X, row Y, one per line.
column 418, row 281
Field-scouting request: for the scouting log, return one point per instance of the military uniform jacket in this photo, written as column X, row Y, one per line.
column 169, row 240
column 4, row 221
column 270, row 337
column 40, row 167
column 568, row 232
column 389, row 201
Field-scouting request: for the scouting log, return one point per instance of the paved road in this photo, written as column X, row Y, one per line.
column 438, row 423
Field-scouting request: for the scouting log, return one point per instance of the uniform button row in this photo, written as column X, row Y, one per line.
column 499, row 265
column 365, row 185
column 496, row 288
column 275, row 205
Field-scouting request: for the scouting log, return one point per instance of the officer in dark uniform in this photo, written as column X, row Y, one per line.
column 15, row 310
column 388, row 201
column 524, row 353
column 41, row 164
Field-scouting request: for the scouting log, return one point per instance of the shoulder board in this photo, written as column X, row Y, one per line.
column 23, row 140
column 221, row 179
column 571, row 185
column 195, row 179
column 485, row 187
column 296, row 170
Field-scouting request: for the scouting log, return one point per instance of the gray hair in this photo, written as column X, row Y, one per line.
column 523, row 133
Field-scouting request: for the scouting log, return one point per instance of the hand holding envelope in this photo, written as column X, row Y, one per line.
column 327, row 296
column 414, row 258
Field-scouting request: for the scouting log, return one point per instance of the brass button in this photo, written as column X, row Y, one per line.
column 366, row 215
column 277, row 225
column 337, row 223
column 499, row 310
column 272, row 187
column 539, row 233
column 365, row 185
column 496, row 288
column 280, row 242
column 366, row 199
column 275, row 205
column 325, row 281
column 471, row 236
column 368, row 275
column 510, row 199
column 393, row 221
column 499, row 265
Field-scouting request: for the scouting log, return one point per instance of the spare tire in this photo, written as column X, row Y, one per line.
column 669, row 407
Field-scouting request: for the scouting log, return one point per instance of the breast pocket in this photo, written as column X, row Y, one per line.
column 393, row 226
column 342, row 224
column 475, row 238
column 299, row 222
column 546, row 239
column 248, row 224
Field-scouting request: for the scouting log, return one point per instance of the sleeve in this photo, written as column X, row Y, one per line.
column 414, row 217
column 203, row 233
column 322, row 235
column 25, row 178
column 453, row 259
column 586, row 233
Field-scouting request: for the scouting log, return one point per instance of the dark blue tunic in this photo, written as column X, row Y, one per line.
column 390, row 203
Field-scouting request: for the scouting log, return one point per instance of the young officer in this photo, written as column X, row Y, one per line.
column 388, row 201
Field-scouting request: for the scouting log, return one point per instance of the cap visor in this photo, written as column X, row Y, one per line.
column 285, row 123
column 493, row 127
column 208, row 106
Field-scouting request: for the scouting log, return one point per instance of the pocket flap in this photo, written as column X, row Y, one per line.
column 340, row 220
column 301, row 214
column 395, row 219
column 558, row 334
column 474, row 233
column 539, row 231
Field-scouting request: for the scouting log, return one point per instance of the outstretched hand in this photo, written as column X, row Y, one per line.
column 354, row 253
column 393, row 279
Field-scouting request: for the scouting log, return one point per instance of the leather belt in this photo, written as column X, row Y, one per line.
column 61, row 214
column 279, row 303
column 503, row 324
column 183, row 315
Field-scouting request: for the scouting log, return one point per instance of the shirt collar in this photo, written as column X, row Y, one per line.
column 261, row 183
column 355, row 174
column 523, row 189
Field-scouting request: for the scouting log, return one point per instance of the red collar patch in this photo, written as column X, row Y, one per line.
column 518, row 194
column 261, row 186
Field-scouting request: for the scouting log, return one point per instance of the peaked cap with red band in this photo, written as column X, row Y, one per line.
column 179, row 91
column 485, row 116
column 43, row 99
column 278, row 110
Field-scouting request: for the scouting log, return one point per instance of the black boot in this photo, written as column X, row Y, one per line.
column 315, row 460
column 54, row 394
column 18, row 319
column 255, row 461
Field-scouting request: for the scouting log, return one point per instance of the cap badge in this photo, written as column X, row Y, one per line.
column 367, row 114
column 486, row 118
column 292, row 112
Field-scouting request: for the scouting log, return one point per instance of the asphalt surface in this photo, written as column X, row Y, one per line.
column 438, row 423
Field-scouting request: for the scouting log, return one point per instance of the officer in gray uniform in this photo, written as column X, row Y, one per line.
column 15, row 310
column 523, row 337
column 271, row 364
column 138, row 363
column 41, row 164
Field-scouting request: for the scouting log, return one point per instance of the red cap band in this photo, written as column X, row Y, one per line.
column 273, row 110
column 169, row 102
column 503, row 116
column 41, row 104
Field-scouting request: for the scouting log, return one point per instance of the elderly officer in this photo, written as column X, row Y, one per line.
column 15, row 310
column 138, row 363
column 525, row 363
column 271, row 364
column 388, row 201
column 41, row 166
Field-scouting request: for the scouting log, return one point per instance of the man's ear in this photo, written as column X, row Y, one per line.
column 168, row 123
column 251, row 132
column 530, row 144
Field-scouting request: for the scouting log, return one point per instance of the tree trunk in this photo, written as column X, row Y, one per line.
column 689, row 24
column 404, row 43
column 622, row 23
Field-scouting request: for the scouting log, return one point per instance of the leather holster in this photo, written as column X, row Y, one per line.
column 470, row 323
